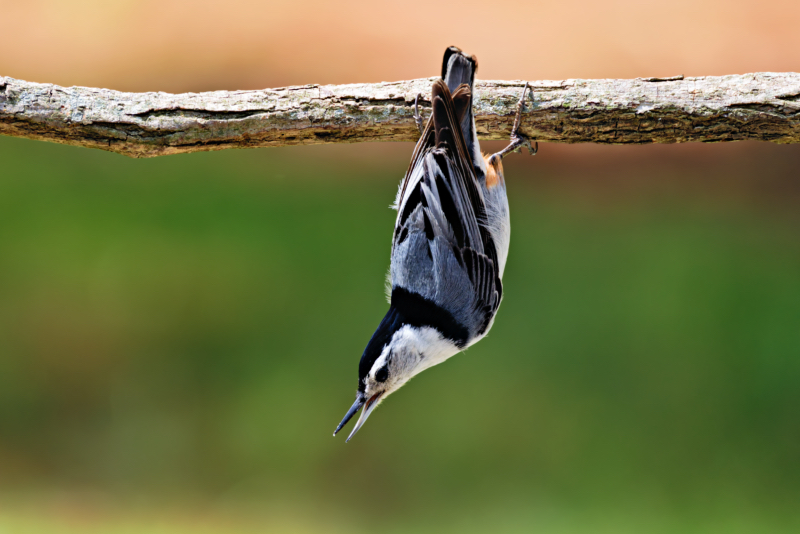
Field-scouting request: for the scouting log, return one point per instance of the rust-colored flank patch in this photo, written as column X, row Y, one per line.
column 494, row 172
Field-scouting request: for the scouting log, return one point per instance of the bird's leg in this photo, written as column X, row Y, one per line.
column 517, row 139
column 417, row 116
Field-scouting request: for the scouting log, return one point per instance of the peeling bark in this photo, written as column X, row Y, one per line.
column 761, row 106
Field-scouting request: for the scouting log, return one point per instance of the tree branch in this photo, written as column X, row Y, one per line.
column 762, row 106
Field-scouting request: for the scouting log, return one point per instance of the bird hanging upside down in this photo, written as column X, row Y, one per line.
column 449, row 247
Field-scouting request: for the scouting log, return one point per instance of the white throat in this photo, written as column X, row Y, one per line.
column 412, row 350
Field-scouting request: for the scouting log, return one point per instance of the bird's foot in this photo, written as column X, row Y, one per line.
column 417, row 116
column 518, row 139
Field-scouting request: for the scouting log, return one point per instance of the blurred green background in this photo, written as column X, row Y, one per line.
column 179, row 337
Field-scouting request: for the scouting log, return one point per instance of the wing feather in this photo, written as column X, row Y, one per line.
column 441, row 243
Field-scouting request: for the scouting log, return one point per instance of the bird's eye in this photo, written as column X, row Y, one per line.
column 382, row 374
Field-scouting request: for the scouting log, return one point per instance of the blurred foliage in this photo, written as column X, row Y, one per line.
column 184, row 333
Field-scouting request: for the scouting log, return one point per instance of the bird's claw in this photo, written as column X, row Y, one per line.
column 417, row 116
column 518, row 140
column 523, row 141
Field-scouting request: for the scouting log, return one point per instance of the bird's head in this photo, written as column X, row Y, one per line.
column 396, row 352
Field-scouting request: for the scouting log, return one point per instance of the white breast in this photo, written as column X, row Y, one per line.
column 498, row 221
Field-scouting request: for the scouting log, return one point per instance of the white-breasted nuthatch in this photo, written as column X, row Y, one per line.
column 449, row 247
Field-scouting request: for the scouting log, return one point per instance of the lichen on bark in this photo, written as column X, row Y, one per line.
column 761, row 106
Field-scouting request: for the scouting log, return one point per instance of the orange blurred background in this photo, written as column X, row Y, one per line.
column 182, row 45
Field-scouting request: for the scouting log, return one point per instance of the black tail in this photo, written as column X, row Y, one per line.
column 459, row 69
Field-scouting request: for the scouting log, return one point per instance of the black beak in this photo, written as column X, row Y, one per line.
column 360, row 400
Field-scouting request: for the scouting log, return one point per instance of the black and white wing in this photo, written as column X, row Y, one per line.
column 442, row 253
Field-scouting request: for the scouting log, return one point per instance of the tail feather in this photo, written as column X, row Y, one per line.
column 462, row 100
column 459, row 69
